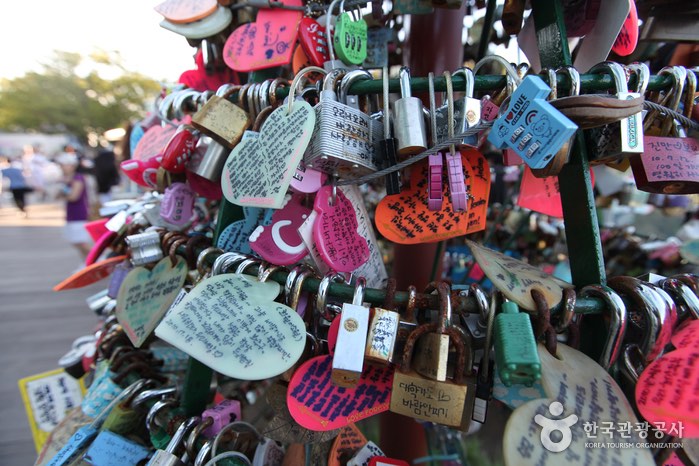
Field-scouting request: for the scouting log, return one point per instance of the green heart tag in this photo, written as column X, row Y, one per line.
column 350, row 38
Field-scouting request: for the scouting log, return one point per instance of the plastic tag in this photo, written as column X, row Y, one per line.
column 687, row 336
column 235, row 237
column 120, row 272
column 177, row 205
column 307, row 180
column 346, row 445
column 363, row 456
column 516, row 395
column 99, row 395
column 267, row 42
column 670, row 159
column 405, row 218
column 203, row 187
column 542, row 195
column 385, row 461
column 143, row 173
column 626, row 41
column 153, row 142
column 335, row 232
column 258, row 171
column 280, row 242
column 598, row 42
column 90, row 274
column 531, row 126
column 146, row 294
column 517, row 279
column 232, row 324
column 47, row 398
column 77, row 443
column 582, row 400
column 110, row 449
column 317, row 404
column 268, row 453
column 186, row 11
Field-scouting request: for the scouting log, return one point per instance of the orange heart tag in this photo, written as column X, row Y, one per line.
column 186, row 11
column 406, row 219
column 90, row 274
column 267, row 42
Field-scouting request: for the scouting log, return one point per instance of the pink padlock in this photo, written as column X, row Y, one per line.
column 142, row 173
column 280, row 242
column 457, row 186
column 434, row 182
column 180, row 148
column 222, row 414
column 177, row 205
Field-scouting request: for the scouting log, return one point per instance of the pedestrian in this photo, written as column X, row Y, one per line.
column 77, row 206
column 106, row 173
column 18, row 183
column 34, row 164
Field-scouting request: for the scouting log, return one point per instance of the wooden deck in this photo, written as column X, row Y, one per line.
column 37, row 325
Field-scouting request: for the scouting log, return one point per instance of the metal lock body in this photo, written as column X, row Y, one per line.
column 348, row 359
column 467, row 112
column 343, row 142
column 387, row 150
column 210, row 164
column 615, row 141
column 221, row 119
column 145, row 248
column 409, row 122
column 168, row 457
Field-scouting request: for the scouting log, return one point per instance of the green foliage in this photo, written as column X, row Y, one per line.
column 59, row 100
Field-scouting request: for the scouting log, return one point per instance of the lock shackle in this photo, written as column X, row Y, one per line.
column 509, row 69
column 386, row 111
column 291, row 279
column 634, row 362
column 690, row 91
column 184, row 99
column 349, row 79
column 133, row 390
column 322, row 296
column 642, row 72
column 249, row 263
column 686, row 300
column 679, row 76
column 204, row 453
column 298, row 288
column 165, row 106
column 297, row 78
column 155, row 409
column 450, row 107
column 234, row 427
column 181, row 433
column 263, row 94
column 616, row 71
column 272, row 91
column 226, row 261
column 329, row 30
column 261, row 117
column 196, row 432
column 617, row 322
column 657, row 331
column 411, row 305
column 330, row 81
column 553, row 83
column 469, row 80
column 404, row 78
column 147, row 395
column 204, row 256
column 252, row 100
column 264, row 272
column 433, row 106
column 574, row 78
column 358, row 295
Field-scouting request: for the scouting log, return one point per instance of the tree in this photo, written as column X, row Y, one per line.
column 59, row 100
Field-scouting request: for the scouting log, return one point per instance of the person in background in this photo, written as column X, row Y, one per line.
column 77, row 206
column 106, row 173
column 18, row 183
column 34, row 164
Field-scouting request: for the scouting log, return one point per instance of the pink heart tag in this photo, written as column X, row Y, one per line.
column 177, row 205
column 153, row 142
column 627, row 39
column 316, row 404
column 267, row 42
column 280, row 242
column 335, row 232
column 307, row 180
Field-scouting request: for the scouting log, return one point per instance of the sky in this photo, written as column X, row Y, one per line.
column 31, row 30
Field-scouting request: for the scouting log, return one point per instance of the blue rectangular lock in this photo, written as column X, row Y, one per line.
column 531, row 126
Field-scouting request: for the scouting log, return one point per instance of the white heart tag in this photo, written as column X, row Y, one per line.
column 232, row 324
column 145, row 295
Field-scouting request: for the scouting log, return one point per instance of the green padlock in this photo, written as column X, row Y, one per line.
column 515, row 347
column 350, row 39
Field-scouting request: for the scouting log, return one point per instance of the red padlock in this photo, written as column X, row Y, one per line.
column 314, row 41
column 180, row 148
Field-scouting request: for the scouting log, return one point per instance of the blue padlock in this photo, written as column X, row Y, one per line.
column 531, row 126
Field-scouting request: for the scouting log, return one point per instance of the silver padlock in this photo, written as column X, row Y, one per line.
column 168, row 456
column 409, row 122
column 614, row 141
column 210, row 165
column 145, row 247
column 467, row 111
column 344, row 137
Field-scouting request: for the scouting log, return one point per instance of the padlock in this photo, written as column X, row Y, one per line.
column 409, row 122
column 348, row 359
column 515, row 347
column 208, row 160
column 383, row 333
column 110, row 449
column 222, row 120
column 618, row 140
column 179, row 149
column 314, row 41
column 530, row 126
column 145, row 247
column 350, row 37
column 124, row 418
column 344, row 137
column 221, row 415
column 177, row 204
column 387, row 155
column 168, row 457
column 450, row 402
column 617, row 322
column 686, row 300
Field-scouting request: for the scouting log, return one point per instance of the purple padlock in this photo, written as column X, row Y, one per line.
column 223, row 414
column 177, row 205
column 118, row 276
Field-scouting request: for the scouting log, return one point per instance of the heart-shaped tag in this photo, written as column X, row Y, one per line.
column 307, row 180
column 145, row 295
column 186, row 11
column 258, row 171
column 405, row 218
column 542, row 195
column 232, row 324
column 346, row 445
column 517, row 279
column 626, row 41
column 90, row 274
column 335, row 232
column 687, row 336
column 582, row 399
column 350, row 39
column 235, row 237
column 153, row 142
column 177, row 205
column 314, row 41
column 280, row 242
column 267, row 42
column 317, row 404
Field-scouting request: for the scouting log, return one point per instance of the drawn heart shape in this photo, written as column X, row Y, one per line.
column 234, row 238
column 267, row 42
column 145, row 295
column 406, row 219
column 317, row 404
column 280, row 242
column 153, row 142
column 335, row 232
column 232, row 324
column 580, row 392
column 90, row 274
column 259, row 170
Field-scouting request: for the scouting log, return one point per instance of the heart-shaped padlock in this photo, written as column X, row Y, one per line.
column 350, row 38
